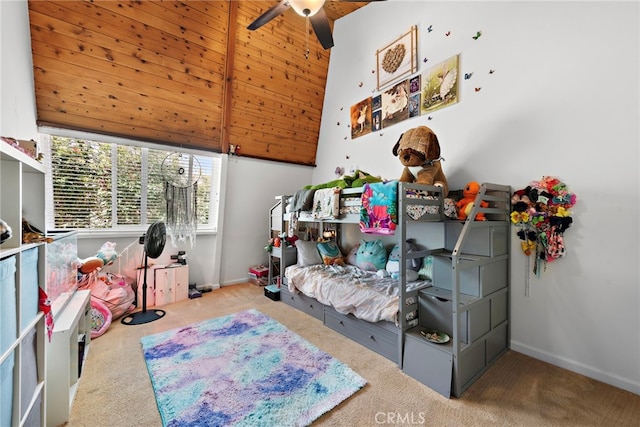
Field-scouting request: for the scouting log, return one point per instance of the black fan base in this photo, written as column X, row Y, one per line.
column 141, row 317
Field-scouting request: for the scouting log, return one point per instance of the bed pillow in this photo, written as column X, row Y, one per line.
column 371, row 256
column 307, row 253
column 351, row 257
column 330, row 253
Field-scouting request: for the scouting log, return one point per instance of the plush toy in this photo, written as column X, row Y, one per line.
column 419, row 152
column 464, row 205
column 105, row 256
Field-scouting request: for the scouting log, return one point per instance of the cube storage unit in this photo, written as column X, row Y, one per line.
column 64, row 360
column 22, row 273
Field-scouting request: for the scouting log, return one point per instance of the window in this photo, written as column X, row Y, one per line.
column 113, row 186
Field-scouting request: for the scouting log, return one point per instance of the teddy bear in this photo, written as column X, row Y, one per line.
column 464, row 205
column 418, row 150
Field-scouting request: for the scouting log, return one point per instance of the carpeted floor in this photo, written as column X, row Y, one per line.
column 115, row 389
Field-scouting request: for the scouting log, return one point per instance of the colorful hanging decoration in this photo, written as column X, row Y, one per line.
column 541, row 214
column 181, row 173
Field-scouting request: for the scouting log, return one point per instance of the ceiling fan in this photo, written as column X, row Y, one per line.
column 312, row 10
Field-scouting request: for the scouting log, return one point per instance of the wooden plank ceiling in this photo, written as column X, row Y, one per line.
column 185, row 73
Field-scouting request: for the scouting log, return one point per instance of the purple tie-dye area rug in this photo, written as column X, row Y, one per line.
column 244, row 369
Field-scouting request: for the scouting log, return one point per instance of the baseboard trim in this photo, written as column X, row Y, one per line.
column 579, row 368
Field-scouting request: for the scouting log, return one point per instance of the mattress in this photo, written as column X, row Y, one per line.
column 350, row 290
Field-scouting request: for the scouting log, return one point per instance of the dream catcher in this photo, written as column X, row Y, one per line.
column 181, row 173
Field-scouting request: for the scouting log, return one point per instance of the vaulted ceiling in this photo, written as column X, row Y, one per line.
column 185, row 73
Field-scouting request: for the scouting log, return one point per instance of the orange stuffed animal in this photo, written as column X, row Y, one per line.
column 464, row 205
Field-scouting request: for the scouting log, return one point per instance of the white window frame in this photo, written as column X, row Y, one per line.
column 216, row 198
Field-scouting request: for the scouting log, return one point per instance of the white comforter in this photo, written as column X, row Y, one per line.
column 349, row 290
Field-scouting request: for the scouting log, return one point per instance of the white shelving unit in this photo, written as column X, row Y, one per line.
column 66, row 354
column 22, row 271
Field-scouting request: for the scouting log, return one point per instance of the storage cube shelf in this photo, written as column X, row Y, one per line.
column 22, row 328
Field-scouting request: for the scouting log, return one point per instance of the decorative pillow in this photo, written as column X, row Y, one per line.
column 426, row 272
column 307, row 253
column 351, row 257
column 330, row 253
column 371, row 256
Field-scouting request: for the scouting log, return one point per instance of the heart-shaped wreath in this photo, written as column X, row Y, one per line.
column 541, row 213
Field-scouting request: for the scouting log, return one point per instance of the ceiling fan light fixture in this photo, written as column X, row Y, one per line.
column 306, row 7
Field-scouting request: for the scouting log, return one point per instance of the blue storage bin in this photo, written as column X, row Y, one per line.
column 28, row 370
column 6, row 391
column 28, row 287
column 8, row 321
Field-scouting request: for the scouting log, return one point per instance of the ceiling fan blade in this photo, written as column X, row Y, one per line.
column 274, row 12
column 321, row 26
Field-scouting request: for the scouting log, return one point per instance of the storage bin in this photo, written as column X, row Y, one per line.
column 8, row 315
column 28, row 370
column 489, row 240
column 272, row 292
column 6, row 390
column 28, row 287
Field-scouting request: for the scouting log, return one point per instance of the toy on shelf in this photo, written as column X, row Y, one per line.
column 418, row 150
column 465, row 205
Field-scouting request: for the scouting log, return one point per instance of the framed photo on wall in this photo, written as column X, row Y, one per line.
column 361, row 123
column 440, row 85
column 398, row 58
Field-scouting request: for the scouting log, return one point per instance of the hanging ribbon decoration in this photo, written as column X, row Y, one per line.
column 181, row 173
column 541, row 215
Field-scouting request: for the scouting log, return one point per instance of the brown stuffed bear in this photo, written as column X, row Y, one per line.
column 419, row 151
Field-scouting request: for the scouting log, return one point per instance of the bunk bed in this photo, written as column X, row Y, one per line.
column 470, row 271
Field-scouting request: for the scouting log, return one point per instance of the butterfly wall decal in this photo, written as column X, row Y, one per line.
column 448, row 33
column 477, row 36
column 478, row 89
column 492, row 71
column 425, row 60
column 429, row 28
column 467, row 76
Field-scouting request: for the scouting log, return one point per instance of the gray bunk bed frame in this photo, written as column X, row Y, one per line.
column 472, row 286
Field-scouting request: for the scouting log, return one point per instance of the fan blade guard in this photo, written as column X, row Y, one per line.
column 155, row 239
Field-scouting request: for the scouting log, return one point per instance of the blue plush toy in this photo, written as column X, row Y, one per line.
column 412, row 265
column 371, row 255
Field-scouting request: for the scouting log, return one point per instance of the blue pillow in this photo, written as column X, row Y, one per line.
column 330, row 253
column 371, row 256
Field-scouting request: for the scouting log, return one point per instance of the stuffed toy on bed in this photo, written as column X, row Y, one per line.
column 418, row 150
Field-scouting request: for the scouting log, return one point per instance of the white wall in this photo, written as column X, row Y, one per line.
column 563, row 101
column 17, row 113
column 251, row 189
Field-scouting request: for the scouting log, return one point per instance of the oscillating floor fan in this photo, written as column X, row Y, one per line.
column 154, row 241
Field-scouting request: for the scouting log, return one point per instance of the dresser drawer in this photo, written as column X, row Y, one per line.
column 303, row 303
column 378, row 338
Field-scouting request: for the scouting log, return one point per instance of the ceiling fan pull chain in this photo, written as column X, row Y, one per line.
column 306, row 34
